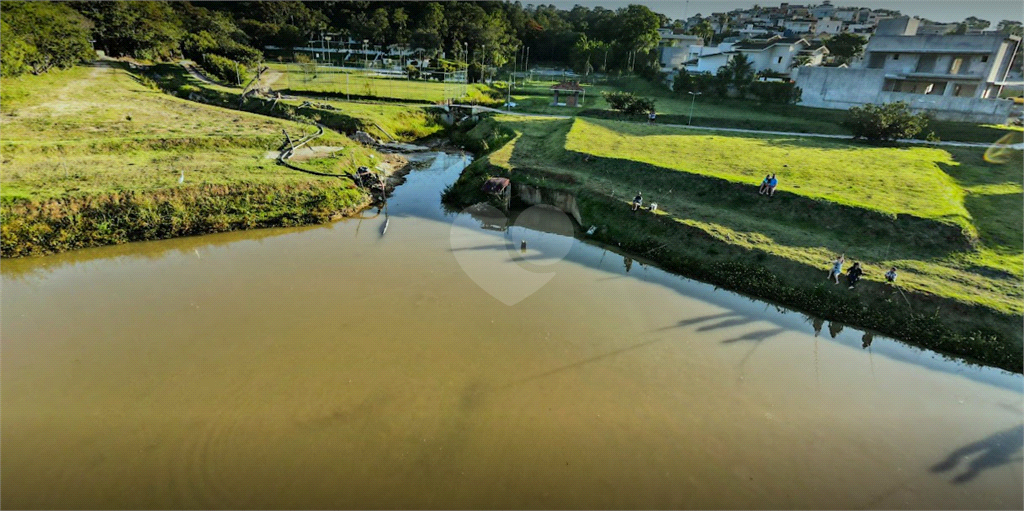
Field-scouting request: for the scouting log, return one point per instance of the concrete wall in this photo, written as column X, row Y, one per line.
column 561, row 200
column 842, row 88
column 951, row 108
column 838, row 87
column 673, row 56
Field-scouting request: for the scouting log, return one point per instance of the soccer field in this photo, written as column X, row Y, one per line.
column 385, row 84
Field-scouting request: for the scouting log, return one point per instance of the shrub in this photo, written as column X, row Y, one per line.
column 628, row 103
column 783, row 93
column 226, row 69
column 711, row 85
column 683, row 82
column 887, row 122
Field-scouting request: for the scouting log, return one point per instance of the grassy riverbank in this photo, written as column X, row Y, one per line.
column 947, row 219
column 95, row 155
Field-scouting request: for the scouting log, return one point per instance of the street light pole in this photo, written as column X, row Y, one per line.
column 365, row 63
column 327, row 54
column 693, row 96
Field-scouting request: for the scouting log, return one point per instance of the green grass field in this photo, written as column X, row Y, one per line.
column 889, row 203
column 368, row 84
column 672, row 108
column 96, row 129
column 96, row 133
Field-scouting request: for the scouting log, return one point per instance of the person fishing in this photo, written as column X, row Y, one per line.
column 637, row 201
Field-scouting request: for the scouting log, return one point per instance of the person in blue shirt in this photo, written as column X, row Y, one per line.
column 837, row 268
column 772, row 183
column 890, row 276
column 764, row 184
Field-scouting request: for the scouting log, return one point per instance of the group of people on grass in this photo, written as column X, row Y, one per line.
column 855, row 272
column 853, row 275
column 768, row 185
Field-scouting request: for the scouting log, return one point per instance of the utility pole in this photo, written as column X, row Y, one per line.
column 483, row 61
column 694, row 96
column 526, row 66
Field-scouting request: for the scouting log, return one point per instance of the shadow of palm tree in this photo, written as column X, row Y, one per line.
column 698, row 319
column 757, row 336
column 580, row 363
column 726, row 323
column 995, row 450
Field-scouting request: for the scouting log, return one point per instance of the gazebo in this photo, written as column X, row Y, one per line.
column 571, row 92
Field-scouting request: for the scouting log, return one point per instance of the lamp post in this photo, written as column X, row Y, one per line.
column 365, row 63
column 483, row 62
column 327, row 39
column 693, row 96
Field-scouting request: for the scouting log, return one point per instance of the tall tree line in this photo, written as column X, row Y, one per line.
column 488, row 33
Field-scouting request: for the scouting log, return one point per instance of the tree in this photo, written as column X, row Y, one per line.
column 638, row 28
column 887, row 122
column 628, row 103
column 846, row 46
column 739, row 72
column 1011, row 27
column 683, row 82
column 148, row 30
column 38, row 36
column 704, row 31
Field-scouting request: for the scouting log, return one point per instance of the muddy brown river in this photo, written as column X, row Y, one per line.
column 339, row 367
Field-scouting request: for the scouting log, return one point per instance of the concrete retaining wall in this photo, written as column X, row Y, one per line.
column 561, row 200
column 842, row 88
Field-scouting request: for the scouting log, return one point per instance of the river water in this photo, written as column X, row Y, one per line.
column 338, row 367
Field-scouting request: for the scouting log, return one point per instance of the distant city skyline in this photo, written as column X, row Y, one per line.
column 945, row 11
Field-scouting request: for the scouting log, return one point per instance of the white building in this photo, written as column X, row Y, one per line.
column 799, row 26
column 776, row 54
column 828, row 26
column 955, row 77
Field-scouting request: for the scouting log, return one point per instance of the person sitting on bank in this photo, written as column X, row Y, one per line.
column 772, row 183
column 651, row 116
column 837, row 268
column 890, row 276
column 637, row 201
column 854, row 274
column 764, row 184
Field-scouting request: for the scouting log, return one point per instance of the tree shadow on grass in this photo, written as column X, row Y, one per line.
column 990, row 452
column 998, row 219
column 734, row 205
